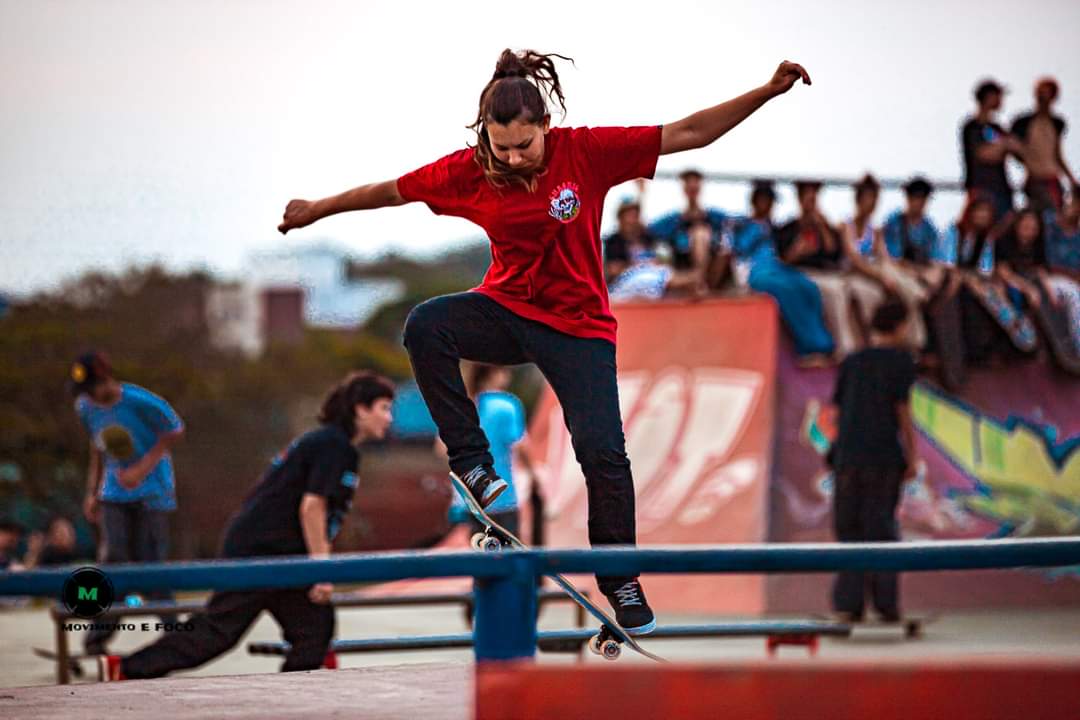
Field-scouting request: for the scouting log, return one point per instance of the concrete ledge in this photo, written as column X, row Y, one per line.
column 399, row 692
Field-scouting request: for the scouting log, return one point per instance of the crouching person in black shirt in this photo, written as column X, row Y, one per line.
column 873, row 454
column 297, row 508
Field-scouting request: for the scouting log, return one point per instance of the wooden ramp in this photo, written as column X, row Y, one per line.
column 959, row 688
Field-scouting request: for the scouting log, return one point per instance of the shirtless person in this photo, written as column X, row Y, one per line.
column 1040, row 133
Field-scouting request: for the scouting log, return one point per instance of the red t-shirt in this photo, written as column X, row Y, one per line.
column 546, row 260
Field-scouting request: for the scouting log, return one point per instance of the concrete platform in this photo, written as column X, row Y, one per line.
column 398, row 692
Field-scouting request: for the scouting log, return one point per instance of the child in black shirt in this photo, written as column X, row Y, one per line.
column 873, row 454
column 296, row 508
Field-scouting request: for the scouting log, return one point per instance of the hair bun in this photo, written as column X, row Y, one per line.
column 515, row 72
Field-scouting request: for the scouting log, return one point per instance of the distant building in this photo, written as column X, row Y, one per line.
column 234, row 314
column 244, row 317
column 284, row 291
column 283, row 314
column 331, row 299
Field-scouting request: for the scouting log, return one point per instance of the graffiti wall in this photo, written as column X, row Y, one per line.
column 696, row 390
column 1002, row 459
column 726, row 436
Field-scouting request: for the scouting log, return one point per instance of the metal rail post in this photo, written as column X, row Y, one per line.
column 505, row 625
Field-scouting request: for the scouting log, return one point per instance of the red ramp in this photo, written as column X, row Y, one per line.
column 696, row 386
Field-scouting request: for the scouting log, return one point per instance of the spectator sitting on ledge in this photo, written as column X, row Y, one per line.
column 694, row 234
column 623, row 247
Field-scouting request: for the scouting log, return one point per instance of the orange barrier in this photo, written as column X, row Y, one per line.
column 696, row 387
column 954, row 688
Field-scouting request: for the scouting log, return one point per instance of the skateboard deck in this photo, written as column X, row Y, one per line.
column 50, row 655
column 1056, row 326
column 611, row 635
column 73, row 661
column 1016, row 324
column 944, row 323
column 911, row 625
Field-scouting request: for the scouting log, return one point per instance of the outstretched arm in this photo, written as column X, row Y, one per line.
column 300, row 213
column 704, row 127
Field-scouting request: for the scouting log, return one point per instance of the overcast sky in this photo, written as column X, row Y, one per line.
column 135, row 130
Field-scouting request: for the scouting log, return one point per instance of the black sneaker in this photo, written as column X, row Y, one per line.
column 632, row 610
column 484, row 484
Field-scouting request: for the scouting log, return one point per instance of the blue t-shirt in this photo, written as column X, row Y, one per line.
column 502, row 418
column 752, row 241
column 923, row 239
column 125, row 431
column 1062, row 249
column 674, row 229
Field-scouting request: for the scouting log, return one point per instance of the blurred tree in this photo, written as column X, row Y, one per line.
column 239, row 412
column 452, row 272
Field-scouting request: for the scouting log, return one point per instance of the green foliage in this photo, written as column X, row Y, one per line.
column 454, row 272
column 238, row 411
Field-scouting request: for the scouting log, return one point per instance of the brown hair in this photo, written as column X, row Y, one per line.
column 967, row 217
column 516, row 91
column 868, row 184
column 358, row 388
column 966, row 224
column 889, row 315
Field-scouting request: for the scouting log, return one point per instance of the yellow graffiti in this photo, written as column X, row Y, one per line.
column 1019, row 482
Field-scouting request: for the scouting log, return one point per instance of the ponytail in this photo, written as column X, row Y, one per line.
column 358, row 388
column 516, row 91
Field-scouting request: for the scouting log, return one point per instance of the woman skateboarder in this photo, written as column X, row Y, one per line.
column 538, row 193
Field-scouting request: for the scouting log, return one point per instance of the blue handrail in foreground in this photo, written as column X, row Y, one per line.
column 505, row 594
column 251, row 573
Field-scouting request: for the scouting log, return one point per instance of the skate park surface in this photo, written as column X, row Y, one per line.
column 440, row 684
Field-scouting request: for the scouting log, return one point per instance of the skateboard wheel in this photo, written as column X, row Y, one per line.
column 476, row 540
column 610, row 649
column 594, row 644
column 490, row 544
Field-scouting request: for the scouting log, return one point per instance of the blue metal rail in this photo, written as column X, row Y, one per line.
column 505, row 593
column 565, row 640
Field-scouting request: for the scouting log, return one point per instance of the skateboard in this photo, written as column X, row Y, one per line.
column 819, row 426
column 74, row 666
column 944, row 326
column 609, row 640
column 911, row 625
column 1056, row 327
column 1016, row 324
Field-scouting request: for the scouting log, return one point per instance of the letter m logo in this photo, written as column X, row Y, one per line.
column 88, row 594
